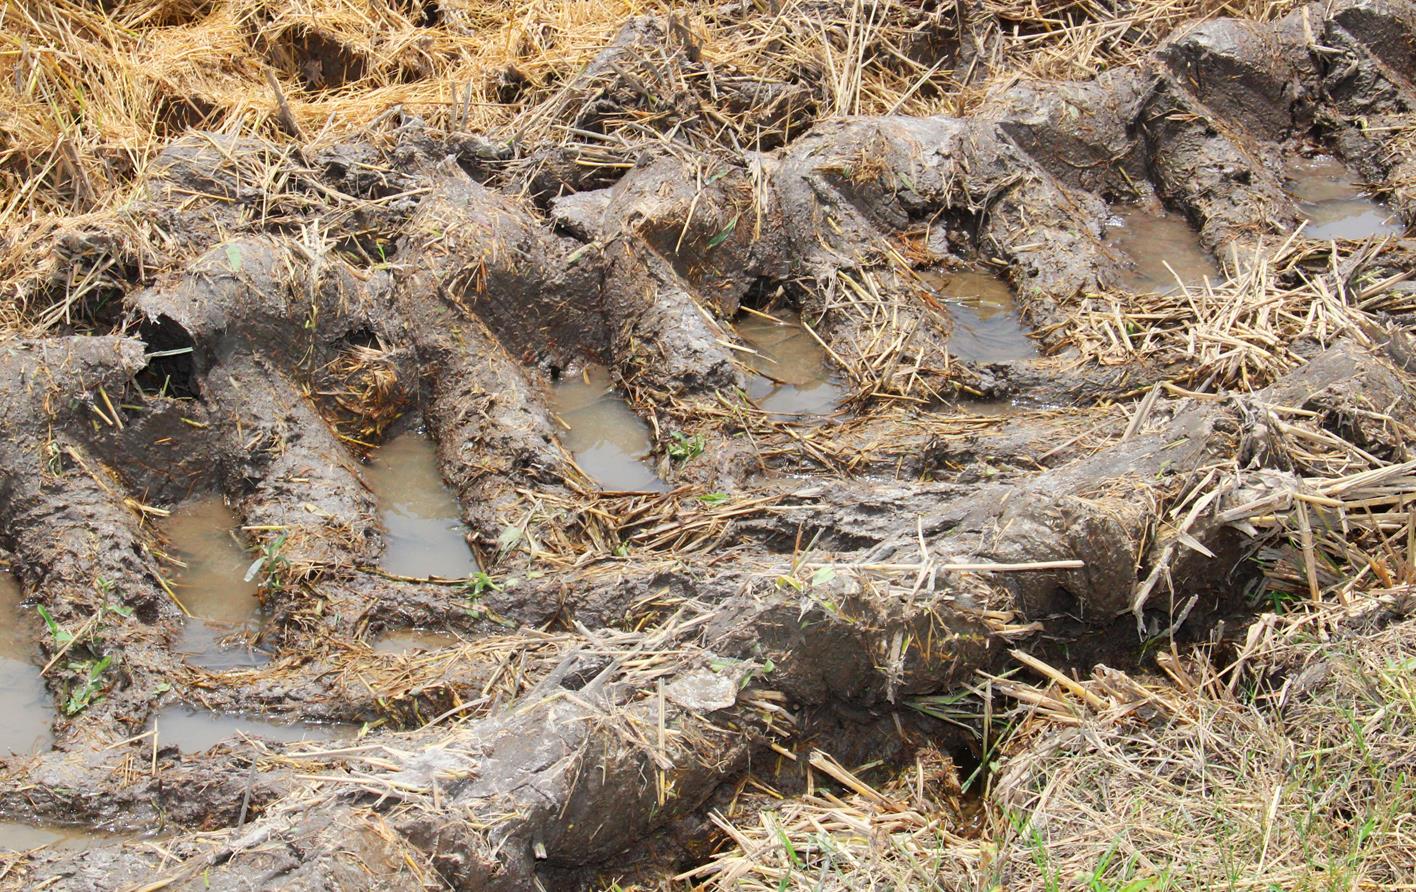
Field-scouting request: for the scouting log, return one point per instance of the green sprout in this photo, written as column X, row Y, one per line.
column 683, row 448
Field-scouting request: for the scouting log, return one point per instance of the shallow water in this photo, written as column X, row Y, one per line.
column 409, row 640
column 196, row 730
column 424, row 533
column 987, row 327
column 28, row 707
column 214, row 647
column 795, row 377
column 607, row 439
column 1153, row 237
column 203, row 535
column 17, row 837
column 1334, row 202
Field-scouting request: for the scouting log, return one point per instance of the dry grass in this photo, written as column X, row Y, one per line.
column 859, row 836
column 1292, row 777
column 1292, row 773
column 1242, row 332
column 1077, row 39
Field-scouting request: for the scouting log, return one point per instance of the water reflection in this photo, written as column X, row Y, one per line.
column 794, row 376
column 424, row 533
column 609, row 442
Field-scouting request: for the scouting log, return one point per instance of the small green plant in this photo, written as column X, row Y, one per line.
column 60, row 634
column 713, row 498
column 63, row 636
column 683, row 448
column 753, row 670
column 87, row 691
column 1280, row 601
column 725, row 234
column 273, row 562
column 479, row 583
column 510, row 537
column 55, row 459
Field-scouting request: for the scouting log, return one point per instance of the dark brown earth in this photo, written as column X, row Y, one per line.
column 644, row 651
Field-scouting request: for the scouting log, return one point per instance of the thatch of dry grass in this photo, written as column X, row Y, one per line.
column 1244, row 331
column 1294, row 774
column 1295, row 778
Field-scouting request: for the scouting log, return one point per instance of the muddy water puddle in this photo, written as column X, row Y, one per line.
column 1162, row 247
column 608, row 441
column 17, row 837
column 413, row 640
column 987, row 327
column 26, row 703
column 423, row 530
column 196, row 730
column 795, row 378
column 210, row 580
column 1336, row 205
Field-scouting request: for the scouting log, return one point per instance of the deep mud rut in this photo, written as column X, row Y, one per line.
column 603, row 662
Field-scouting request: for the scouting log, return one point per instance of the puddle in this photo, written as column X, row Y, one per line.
column 794, row 375
column 23, row 696
column 209, row 646
column 1153, row 237
column 607, row 439
column 424, row 533
column 196, row 730
column 17, row 837
column 1334, row 202
column 202, row 534
column 986, row 323
column 411, row 640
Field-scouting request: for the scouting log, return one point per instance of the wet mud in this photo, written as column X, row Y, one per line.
column 450, row 623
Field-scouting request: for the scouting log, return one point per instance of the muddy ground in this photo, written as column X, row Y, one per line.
column 623, row 662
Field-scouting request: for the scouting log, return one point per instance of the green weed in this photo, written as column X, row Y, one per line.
column 684, row 448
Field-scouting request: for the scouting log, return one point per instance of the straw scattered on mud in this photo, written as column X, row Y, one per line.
column 1131, row 611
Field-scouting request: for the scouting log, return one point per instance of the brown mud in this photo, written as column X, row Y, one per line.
column 626, row 566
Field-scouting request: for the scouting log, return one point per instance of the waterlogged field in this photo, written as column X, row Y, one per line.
column 818, row 444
